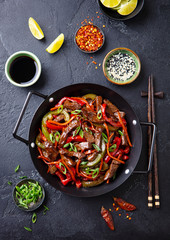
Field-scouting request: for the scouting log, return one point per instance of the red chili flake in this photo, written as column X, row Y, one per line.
column 91, row 57
column 119, row 214
column 87, row 63
column 97, row 12
column 117, row 208
column 89, row 38
column 94, row 62
column 130, row 218
column 98, row 16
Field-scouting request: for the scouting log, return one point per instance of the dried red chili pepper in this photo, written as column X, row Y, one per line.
column 89, row 38
column 108, row 218
column 124, row 205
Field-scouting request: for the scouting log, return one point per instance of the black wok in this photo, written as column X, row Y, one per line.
column 134, row 128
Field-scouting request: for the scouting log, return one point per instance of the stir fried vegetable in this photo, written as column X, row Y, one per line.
column 84, row 140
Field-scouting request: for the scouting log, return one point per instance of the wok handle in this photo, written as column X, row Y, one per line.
column 22, row 114
column 152, row 146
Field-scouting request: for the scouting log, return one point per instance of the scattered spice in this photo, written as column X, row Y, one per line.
column 9, row 183
column 94, row 62
column 120, row 214
column 89, row 38
column 95, row 67
column 98, row 16
column 99, row 64
column 87, row 63
column 104, row 26
column 130, row 218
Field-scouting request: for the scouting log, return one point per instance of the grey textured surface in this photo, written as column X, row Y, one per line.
column 70, row 218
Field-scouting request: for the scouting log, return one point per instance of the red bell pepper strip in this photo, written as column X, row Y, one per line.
column 77, row 138
column 125, row 157
column 124, row 205
column 78, row 183
column 126, row 150
column 116, row 141
column 69, row 169
column 110, row 120
column 108, row 218
column 63, row 180
column 77, row 167
column 81, row 102
column 53, row 127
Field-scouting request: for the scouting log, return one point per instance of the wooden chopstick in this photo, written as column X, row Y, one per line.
column 155, row 159
column 150, row 198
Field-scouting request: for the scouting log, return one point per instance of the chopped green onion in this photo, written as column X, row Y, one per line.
column 76, row 131
column 52, row 138
column 112, row 148
column 99, row 114
column 59, row 109
column 66, row 145
column 9, row 183
column 88, row 130
column 83, row 163
column 81, row 133
column 104, row 137
column 95, row 173
column 22, row 177
column 76, row 112
column 57, row 136
column 17, row 168
column 96, row 147
column 28, row 229
column 120, row 132
column 73, row 147
column 34, row 218
column 62, row 165
column 45, row 210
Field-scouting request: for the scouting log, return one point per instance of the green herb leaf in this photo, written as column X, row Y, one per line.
column 104, row 137
column 76, row 131
column 120, row 132
column 9, row 183
column 45, row 210
column 96, row 147
column 73, row 147
column 59, row 109
column 83, row 163
column 112, row 148
column 22, row 177
column 81, row 133
column 34, row 218
column 52, row 138
column 76, row 112
column 95, row 173
column 17, row 168
column 62, row 165
column 28, row 229
column 99, row 114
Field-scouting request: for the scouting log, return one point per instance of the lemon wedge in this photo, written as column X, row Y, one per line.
column 56, row 44
column 35, row 29
column 126, row 7
column 110, row 3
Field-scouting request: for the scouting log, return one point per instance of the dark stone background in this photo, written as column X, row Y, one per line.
column 148, row 34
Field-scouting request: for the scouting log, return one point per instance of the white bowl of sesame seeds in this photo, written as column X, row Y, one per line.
column 121, row 66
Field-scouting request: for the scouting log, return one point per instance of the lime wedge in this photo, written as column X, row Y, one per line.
column 110, row 3
column 56, row 44
column 35, row 29
column 127, row 7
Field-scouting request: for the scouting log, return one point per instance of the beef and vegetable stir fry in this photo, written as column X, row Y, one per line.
column 84, row 140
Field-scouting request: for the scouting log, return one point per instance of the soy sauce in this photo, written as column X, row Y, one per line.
column 23, row 70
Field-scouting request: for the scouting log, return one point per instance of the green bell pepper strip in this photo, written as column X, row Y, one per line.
column 99, row 156
column 49, row 116
column 89, row 95
column 38, row 143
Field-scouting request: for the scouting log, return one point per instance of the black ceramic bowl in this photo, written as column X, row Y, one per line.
column 90, row 51
column 35, row 205
column 116, row 16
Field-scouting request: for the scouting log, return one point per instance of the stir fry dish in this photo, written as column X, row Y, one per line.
column 84, row 140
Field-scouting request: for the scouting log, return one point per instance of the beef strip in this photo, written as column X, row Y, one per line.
column 89, row 137
column 68, row 160
column 90, row 115
column 92, row 156
column 49, row 151
column 122, row 114
column 52, row 169
column 112, row 170
column 83, row 146
column 71, row 105
column 98, row 137
column 111, row 109
column 67, row 130
column 79, row 155
column 59, row 118
column 124, row 139
column 98, row 103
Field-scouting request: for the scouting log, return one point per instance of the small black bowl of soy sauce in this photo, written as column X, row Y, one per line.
column 23, row 69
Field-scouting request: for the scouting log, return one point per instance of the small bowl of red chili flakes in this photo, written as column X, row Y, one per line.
column 89, row 38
